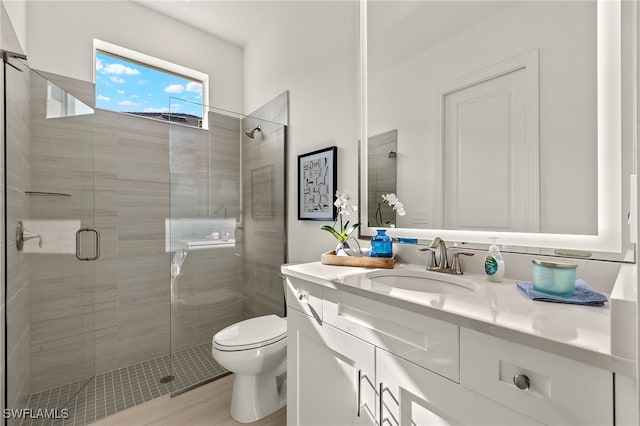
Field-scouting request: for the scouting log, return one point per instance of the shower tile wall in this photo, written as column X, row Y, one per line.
column 264, row 214
column 18, row 175
column 132, row 203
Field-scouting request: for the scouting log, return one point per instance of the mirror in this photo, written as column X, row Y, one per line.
column 508, row 120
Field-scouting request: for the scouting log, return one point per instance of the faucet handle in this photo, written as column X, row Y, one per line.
column 432, row 261
column 456, row 269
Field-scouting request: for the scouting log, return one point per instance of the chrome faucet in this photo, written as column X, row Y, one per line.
column 442, row 264
column 439, row 243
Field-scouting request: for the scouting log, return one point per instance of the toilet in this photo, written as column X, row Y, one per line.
column 255, row 350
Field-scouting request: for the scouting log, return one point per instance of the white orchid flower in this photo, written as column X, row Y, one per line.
column 344, row 209
column 390, row 198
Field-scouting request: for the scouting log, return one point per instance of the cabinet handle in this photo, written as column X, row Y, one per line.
column 359, row 390
column 521, row 381
column 380, row 401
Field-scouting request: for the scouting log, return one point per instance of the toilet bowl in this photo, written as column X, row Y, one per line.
column 255, row 350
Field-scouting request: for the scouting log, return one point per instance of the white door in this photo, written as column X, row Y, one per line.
column 412, row 395
column 486, row 184
column 330, row 375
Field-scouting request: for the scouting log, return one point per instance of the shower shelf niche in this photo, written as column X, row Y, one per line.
column 209, row 244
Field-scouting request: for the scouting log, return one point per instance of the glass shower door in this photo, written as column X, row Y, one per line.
column 226, row 232
column 51, row 239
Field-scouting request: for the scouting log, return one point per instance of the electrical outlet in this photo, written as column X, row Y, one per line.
column 421, row 216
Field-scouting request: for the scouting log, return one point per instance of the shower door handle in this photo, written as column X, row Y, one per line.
column 79, row 243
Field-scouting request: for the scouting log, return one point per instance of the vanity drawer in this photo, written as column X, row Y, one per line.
column 428, row 342
column 560, row 391
column 304, row 296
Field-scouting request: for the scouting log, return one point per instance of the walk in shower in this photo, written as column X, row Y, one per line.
column 154, row 236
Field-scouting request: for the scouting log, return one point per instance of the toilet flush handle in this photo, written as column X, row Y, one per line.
column 303, row 296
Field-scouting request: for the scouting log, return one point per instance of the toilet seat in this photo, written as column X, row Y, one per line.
column 251, row 334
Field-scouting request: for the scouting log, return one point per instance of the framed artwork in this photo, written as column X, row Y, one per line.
column 317, row 181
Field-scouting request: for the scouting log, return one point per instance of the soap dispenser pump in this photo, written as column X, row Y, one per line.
column 494, row 263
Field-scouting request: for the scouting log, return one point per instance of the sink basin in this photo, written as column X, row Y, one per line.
column 422, row 281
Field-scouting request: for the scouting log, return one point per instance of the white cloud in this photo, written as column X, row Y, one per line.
column 121, row 92
column 119, row 69
column 194, row 87
column 153, row 109
column 128, row 103
column 176, row 107
column 174, row 88
column 117, row 79
column 103, row 98
column 99, row 64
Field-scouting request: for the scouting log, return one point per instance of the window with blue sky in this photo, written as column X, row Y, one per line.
column 131, row 87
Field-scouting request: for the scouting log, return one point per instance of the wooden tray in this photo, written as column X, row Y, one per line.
column 330, row 258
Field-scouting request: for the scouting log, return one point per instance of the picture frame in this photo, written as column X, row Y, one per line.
column 317, row 183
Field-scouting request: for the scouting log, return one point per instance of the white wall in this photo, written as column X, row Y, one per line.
column 61, row 34
column 314, row 55
column 17, row 12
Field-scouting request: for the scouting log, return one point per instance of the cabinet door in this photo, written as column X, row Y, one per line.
column 412, row 395
column 330, row 375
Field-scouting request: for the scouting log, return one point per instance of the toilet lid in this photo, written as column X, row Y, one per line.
column 251, row 333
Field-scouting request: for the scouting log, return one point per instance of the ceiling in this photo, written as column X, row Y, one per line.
column 237, row 21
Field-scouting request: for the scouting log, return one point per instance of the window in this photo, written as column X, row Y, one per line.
column 62, row 104
column 134, row 83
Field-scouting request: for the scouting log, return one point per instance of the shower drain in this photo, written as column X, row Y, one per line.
column 167, row 379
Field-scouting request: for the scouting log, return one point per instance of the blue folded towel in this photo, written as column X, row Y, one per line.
column 584, row 295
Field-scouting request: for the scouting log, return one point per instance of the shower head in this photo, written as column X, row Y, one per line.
column 251, row 133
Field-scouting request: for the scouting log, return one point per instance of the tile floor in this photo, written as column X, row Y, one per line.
column 207, row 405
column 114, row 391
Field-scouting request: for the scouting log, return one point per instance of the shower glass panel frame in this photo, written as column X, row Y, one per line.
column 50, row 293
column 227, row 189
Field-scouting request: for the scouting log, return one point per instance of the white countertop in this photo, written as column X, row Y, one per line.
column 582, row 333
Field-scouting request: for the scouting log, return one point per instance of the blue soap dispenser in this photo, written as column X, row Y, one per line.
column 381, row 245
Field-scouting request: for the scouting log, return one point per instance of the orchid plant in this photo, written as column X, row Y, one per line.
column 393, row 202
column 344, row 209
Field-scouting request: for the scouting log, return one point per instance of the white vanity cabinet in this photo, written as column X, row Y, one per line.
column 356, row 360
column 330, row 375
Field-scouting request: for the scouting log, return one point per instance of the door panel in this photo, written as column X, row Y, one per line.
column 485, row 159
column 50, row 157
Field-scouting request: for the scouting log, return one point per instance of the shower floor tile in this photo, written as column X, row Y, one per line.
column 117, row 390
